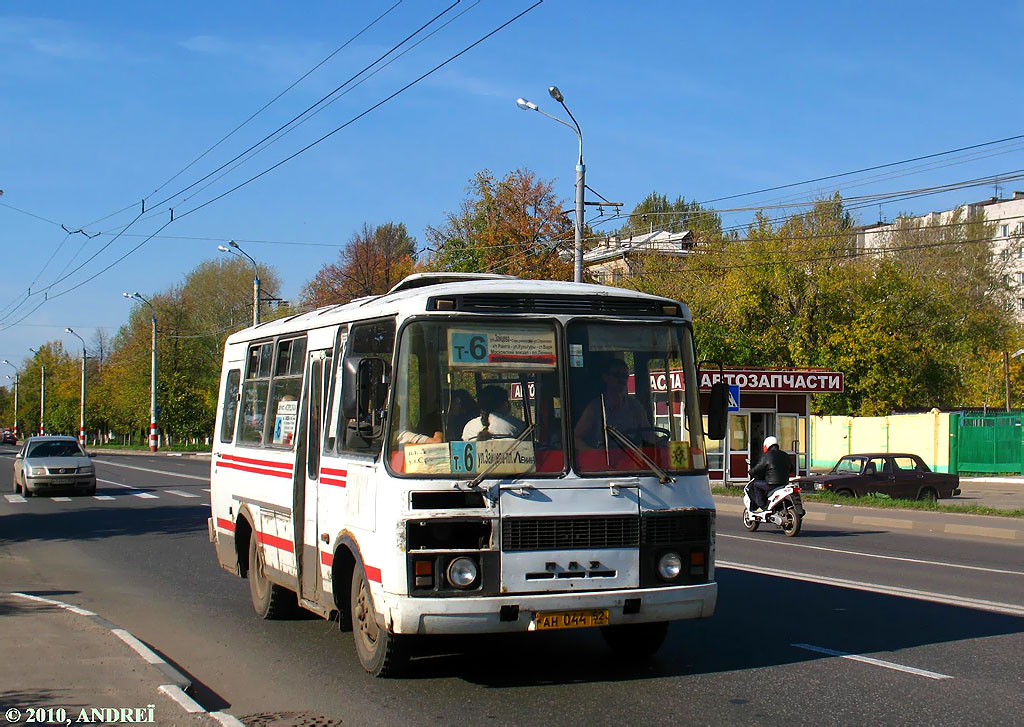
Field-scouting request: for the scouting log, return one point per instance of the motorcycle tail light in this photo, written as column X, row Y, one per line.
column 796, row 488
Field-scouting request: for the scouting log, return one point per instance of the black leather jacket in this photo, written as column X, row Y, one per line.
column 773, row 467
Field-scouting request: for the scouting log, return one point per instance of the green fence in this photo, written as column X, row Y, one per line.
column 989, row 443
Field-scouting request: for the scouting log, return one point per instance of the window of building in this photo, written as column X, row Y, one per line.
column 1020, row 304
column 1020, row 278
column 1004, row 230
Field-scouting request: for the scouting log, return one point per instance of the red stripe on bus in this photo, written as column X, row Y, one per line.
column 330, row 481
column 326, row 558
column 260, row 462
column 225, row 525
column 243, row 468
column 372, row 574
column 275, row 542
column 329, row 471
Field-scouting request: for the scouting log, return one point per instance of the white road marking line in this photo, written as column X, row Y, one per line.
column 61, row 499
column 61, row 604
column 876, row 555
column 144, row 495
column 149, row 469
column 137, row 646
column 178, row 695
column 1011, row 609
column 179, row 493
column 103, row 497
column 874, row 662
column 15, row 498
column 117, row 484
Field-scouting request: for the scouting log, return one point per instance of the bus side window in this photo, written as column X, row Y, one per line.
column 334, row 399
column 374, row 344
column 254, row 394
column 227, row 421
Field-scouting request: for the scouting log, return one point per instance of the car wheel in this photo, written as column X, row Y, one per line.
column 928, row 495
column 380, row 652
column 91, row 490
column 844, row 493
column 635, row 641
column 269, row 600
column 749, row 522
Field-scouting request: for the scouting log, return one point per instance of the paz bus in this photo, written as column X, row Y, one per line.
column 470, row 454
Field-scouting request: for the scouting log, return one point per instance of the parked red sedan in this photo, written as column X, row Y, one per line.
column 902, row 476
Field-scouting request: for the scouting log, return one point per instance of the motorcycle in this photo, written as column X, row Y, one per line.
column 785, row 509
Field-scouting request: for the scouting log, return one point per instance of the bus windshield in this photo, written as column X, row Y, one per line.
column 477, row 398
column 635, row 404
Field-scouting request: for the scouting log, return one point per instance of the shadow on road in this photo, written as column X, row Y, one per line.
column 94, row 523
column 837, row 618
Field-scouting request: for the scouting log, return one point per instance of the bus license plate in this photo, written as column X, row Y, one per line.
column 570, row 619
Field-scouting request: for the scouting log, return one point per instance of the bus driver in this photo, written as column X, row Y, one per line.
column 621, row 412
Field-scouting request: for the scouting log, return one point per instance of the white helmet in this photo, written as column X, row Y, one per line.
column 769, row 442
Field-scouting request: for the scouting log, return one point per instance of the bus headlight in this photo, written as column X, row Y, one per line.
column 669, row 566
column 462, row 572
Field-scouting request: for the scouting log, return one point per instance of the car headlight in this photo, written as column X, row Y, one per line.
column 669, row 566
column 462, row 572
column 37, row 471
column 85, row 469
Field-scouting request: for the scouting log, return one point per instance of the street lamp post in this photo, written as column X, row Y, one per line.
column 42, row 394
column 255, row 278
column 81, row 407
column 17, row 380
column 581, row 173
column 154, row 439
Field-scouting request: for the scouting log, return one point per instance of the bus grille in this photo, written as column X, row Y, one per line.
column 569, row 533
column 662, row 528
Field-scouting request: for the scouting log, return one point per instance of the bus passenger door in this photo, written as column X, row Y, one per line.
column 318, row 373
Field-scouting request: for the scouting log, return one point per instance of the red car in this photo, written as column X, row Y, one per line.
column 903, row 476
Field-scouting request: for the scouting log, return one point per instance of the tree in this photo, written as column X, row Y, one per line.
column 512, row 225
column 374, row 259
column 654, row 212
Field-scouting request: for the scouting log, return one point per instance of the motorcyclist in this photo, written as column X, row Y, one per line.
column 771, row 471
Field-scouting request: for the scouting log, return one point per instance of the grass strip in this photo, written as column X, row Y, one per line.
column 887, row 503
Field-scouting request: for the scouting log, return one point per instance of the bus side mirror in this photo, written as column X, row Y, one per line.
column 718, row 411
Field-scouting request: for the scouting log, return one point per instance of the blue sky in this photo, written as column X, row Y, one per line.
column 100, row 103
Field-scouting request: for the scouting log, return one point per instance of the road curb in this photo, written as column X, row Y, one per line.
column 176, row 690
column 966, row 525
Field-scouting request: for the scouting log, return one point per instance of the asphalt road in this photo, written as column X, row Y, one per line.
column 139, row 555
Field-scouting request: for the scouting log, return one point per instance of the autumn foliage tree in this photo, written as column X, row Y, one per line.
column 513, row 225
column 374, row 259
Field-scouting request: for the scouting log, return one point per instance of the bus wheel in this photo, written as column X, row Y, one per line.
column 635, row 641
column 269, row 600
column 380, row 652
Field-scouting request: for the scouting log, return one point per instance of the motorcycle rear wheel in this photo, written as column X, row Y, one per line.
column 791, row 522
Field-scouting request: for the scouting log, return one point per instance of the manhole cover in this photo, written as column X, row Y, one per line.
column 290, row 719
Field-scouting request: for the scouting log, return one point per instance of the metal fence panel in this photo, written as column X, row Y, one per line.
column 991, row 443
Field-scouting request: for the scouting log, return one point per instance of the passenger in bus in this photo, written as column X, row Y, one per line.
column 621, row 411
column 462, row 408
column 495, row 418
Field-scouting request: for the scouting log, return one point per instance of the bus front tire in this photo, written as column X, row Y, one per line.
column 269, row 600
column 635, row 641
column 380, row 652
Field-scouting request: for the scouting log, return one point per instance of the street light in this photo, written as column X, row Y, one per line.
column 17, row 380
column 581, row 172
column 154, row 439
column 42, row 393
column 81, row 407
column 236, row 250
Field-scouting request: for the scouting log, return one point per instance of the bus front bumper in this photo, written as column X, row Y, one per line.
column 510, row 613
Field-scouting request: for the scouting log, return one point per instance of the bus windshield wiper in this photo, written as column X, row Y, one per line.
column 638, row 454
column 475, row 482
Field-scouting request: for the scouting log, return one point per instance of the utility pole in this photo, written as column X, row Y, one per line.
column 81, row 407
column 154, row 437
column 42, row 393
column 17, row 380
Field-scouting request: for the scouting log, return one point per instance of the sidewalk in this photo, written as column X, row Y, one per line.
column 56, row 656
column 973, row 527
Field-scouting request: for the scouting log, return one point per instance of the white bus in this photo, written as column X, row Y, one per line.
column 469, row 454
